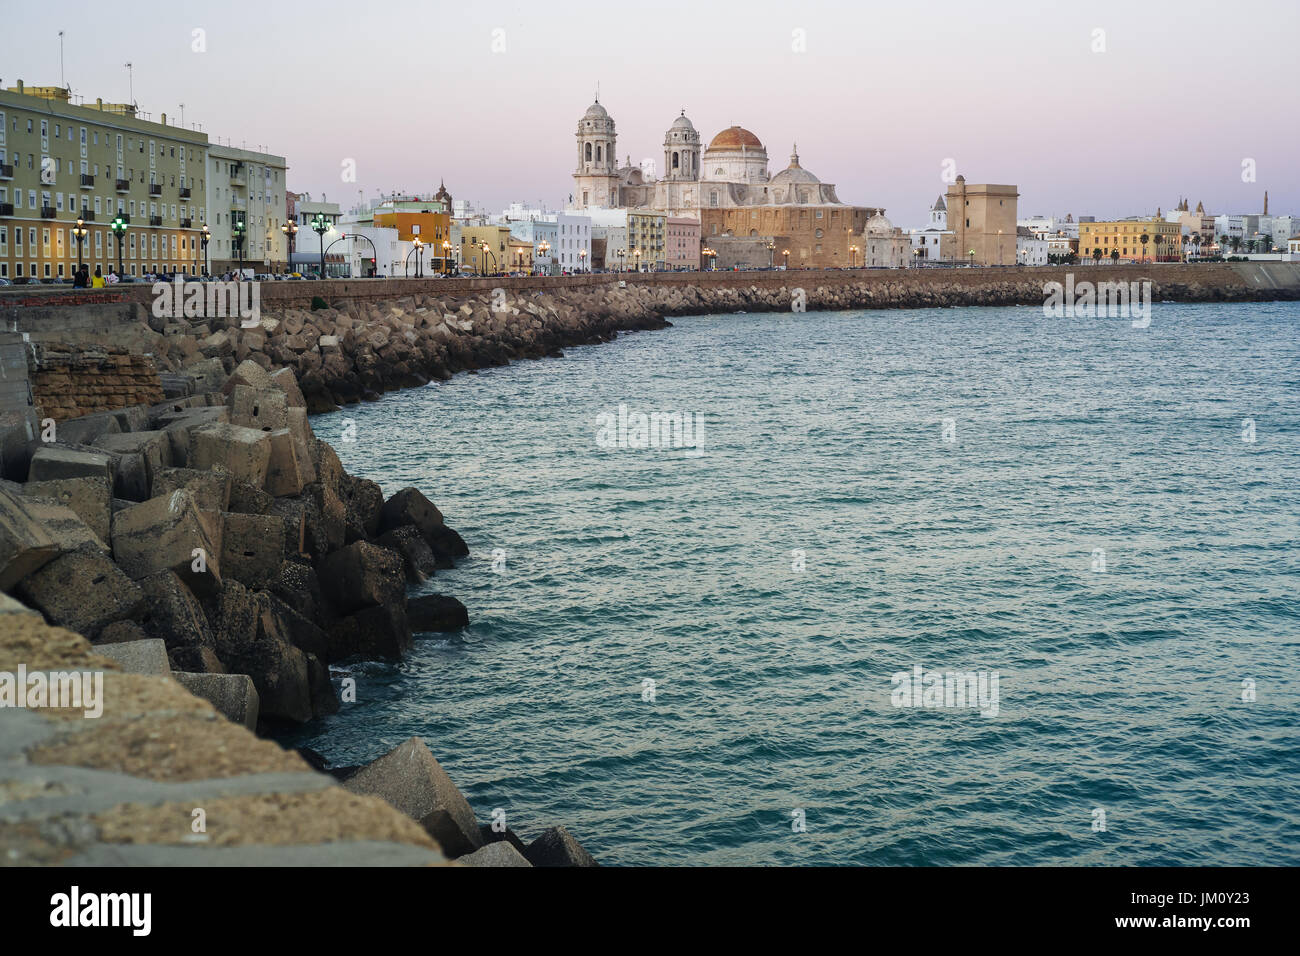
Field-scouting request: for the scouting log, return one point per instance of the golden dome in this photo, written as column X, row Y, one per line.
column 734, row 137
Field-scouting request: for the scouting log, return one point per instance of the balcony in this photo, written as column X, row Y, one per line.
column 86, row 215
column 187, row 223
column 6, row 209
column 47, row 212
column 155, row 189
column 239, row 177
column 87, row 181
column 185, row 192
column 6, row 171
column 124, row 185
column 155, row 220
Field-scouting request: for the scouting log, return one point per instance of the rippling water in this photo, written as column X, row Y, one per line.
column 1119, row 691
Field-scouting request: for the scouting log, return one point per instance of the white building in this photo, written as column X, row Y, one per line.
column 1044, row 226
column 1031, row 249
column 308, row 244
column 244, row 186
column 572, row 244
column 927, row 243
column 1234, row 227
column 543, row 234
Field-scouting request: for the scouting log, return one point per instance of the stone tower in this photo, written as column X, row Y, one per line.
column 681, row 151
column 596, row 178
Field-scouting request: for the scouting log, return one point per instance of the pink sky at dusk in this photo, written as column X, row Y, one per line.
column 883, row 94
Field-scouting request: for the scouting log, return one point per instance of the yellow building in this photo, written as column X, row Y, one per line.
column 1163, row 240
column 496, row 258
column 519, row 255
column 61, row 162
column 647, row 243
column 427, row 220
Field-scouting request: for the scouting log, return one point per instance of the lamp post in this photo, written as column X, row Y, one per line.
column 853, row 256
column 118, row 226
column 771, row 253
column 544, row 248
column 786, row 254
column 290, row 230
column 320, row 225
column 419, row 255
column 80, row 232
column 487, row 251
column 972, row 256
column 999, row 247
column 582, row 260
column 237, row 231
column 637, row 254
column 446, row 255
column 204, row 238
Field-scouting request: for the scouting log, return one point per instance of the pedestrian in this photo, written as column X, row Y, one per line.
column 77, row 281
column 98, row 281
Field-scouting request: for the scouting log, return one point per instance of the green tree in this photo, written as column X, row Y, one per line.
column 1144, row 240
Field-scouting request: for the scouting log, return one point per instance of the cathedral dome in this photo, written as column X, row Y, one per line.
column 683, row 123
column 794, row 173
column 595, row 111
column 735, row 137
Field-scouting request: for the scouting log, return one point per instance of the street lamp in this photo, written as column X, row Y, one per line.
column 853, row 256
column 118, row 226
column 80, row 232
column 419, row 254
column 544, row 248
column 487, row 251
column 771, row 253
column 446, row 255
column 637, row 253
column 320, row 225
column 290, row 230
column 972, row 256
column 237, row 230
column 786, row 253
column 204, row 238
column 582, row 260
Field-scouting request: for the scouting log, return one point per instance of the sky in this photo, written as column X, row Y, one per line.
column 1169, row 99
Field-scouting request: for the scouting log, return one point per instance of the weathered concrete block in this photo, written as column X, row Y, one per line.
column 252, row 549
column 178, row 426
column 411, row 779
column 25, row 545
column 138, row 657
column 82, row 591
column 64, row 525
column 500, row 853
column 410, row 506
column 211, row 489
column 417, row 556
column 88, row 497
column 361, row 575
column 121, row 632
column 86, row 429
column 233, row 695
column 300, row 430
column 134, row 418
column 247, row 373
column 209, row 374
column 153, row 446
column 373, row 632
column 52, row 462
column 287, row 382
column 165, row 533
column 244, row 452
column 260, row 408
column 172, row 613
column 283, row 476
column 436, row 613
column 557, row 847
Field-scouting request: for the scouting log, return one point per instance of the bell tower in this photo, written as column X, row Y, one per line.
column 681, row 151
column 595, row 181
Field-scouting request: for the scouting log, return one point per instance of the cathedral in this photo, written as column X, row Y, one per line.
column 752, row 218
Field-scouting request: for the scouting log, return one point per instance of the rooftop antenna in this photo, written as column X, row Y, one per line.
column 63, row 80
column 130, row 79
column 182, row 114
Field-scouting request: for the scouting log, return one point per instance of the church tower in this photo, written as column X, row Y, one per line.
column 681, row 151
column 595, row 182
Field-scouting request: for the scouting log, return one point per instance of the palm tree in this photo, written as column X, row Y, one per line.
column 1144, row 240
column 1096, row 255
column 1158, row 240
column 1114, row 257
column 1236, row 243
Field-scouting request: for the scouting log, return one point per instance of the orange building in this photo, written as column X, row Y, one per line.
column 427, row 220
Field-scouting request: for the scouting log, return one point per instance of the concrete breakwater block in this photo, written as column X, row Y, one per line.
column 436, row 613
column 25, row 545
column 495, row 854
column 164, row 533
column 233, row 695
column 409, row 778
column 244, row 452
column 557, row 847
column 138, row 657
column 83, row 591
column 53, row 462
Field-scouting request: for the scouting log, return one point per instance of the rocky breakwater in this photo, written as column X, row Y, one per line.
column 358, row 350
column 213, row 538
